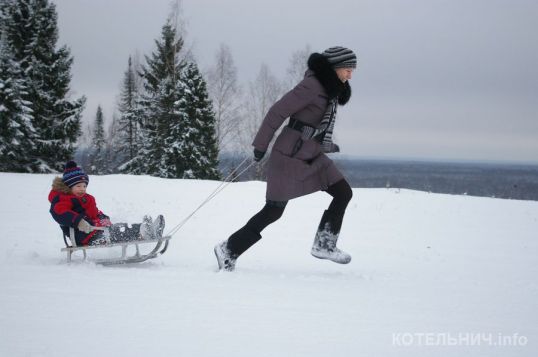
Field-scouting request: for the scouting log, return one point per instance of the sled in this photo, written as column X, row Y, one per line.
column 161, row 245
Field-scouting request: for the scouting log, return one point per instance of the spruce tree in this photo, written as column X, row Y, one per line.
column 30, row 28
column 128, row 120
column 98, row 158
column 201, row 145
column 157, row 107
column 114, row 141
column 178, row 124
column 17, row 134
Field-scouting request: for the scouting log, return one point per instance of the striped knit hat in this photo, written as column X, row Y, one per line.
column 340, row 57
column 74, row 174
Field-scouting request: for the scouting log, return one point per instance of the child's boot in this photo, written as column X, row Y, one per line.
column 146, row 228
column 158, row 226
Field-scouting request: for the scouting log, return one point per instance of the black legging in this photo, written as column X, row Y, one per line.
column 249, row 234
column 271, row 212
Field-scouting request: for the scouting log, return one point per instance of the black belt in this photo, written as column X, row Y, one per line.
column 297, row 125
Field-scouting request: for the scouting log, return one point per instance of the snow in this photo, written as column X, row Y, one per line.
column 452, row 267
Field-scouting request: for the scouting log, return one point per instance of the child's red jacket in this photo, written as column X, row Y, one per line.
column 68, row 209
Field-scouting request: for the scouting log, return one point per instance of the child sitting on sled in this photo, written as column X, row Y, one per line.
column 71, row 206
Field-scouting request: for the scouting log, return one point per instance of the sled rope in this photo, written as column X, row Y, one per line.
column 215, row 192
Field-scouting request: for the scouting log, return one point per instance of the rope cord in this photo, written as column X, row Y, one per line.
column 215, row 192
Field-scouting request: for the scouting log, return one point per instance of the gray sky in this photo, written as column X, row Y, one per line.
column 437, row 79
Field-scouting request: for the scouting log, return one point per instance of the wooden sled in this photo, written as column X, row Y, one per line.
column 161, row 245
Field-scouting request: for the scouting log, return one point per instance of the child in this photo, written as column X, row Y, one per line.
column 71, row 206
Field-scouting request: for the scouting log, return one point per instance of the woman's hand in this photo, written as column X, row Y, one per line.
column 258, row 155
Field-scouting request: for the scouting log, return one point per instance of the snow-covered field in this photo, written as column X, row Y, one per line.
column 431, row 275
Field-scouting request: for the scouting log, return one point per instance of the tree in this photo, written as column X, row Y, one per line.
column 98, row 156
column 225, row 94
column 157, row 106
column 128, row 121
column 30, row 29
column 297, row 66
column 114, row 141
column 177, row 122
column 200, row 146
column 17, row 134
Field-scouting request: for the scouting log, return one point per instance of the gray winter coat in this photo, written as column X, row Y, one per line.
column 309, row 170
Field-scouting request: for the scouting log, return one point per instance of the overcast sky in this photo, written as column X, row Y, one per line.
column 437, row 79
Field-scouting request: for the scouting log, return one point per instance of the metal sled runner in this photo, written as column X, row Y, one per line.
column 161, row 245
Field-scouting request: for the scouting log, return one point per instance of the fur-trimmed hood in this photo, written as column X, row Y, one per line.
column 59, row 185
column 324, row 72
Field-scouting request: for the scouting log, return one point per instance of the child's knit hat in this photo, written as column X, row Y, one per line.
column 74, row 174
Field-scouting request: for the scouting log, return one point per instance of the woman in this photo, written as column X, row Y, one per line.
column 298, row 165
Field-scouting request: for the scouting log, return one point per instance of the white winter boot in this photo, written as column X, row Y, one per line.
column 146, row 228
column 225, row 258
column 150, row 229
column 158, row 226
column 324, row 246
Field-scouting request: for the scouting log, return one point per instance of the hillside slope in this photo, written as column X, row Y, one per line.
column 423, row 265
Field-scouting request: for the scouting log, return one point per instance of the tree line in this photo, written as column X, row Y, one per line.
column 171, row 120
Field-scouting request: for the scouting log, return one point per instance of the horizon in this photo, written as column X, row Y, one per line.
column 358, row 157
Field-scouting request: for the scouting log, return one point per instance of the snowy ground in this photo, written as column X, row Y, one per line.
column 431, row 275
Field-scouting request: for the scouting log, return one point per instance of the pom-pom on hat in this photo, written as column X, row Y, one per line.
column 74, row 174
column 340, row 57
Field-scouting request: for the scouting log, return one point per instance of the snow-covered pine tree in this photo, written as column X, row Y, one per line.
column 16, row 131
column 178, row 126
column 98, row 156
column 128, row 121
column 200, row 146
column 157, row 108
column 114, row 140
column 30, row 27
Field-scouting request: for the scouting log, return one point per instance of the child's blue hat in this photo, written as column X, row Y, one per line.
column 74, row 174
